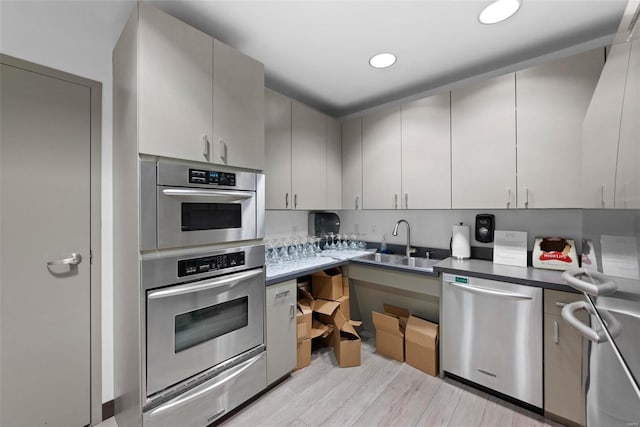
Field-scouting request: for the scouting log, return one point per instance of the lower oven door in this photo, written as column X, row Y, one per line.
column 198, row 216
column 195, row 326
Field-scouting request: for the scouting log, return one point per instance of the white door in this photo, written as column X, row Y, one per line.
column 381, row 160
column 552, row 101
column 309, row 156
column 426, row 153
column 45, row 217
column 352, row 164
column 278, row 151
column 483, row 144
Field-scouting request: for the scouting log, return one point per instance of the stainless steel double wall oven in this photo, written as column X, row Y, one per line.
column 203, row 300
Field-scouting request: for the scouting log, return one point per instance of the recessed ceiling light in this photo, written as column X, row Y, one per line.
column 382, row 60
column 498, row 11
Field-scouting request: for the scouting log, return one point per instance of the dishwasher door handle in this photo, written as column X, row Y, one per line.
column 492, row 292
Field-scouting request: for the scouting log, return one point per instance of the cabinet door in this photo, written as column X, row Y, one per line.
column 426, row 153
column 628, row 172
column 238, row 108
column 278, row 151
column 352, row 164
column 483, row 144
column 601, row 132
column 552, row 101
column 381, row 160
column 565, row 359
column 308, row 148
column 334, row 165
column 281, row 330
column 175, row 86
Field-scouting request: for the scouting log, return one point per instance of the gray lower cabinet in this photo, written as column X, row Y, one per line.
column 281, row 329
column 564, row 361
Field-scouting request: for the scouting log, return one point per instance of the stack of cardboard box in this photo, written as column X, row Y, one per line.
column 403, row 337
column 327, row 309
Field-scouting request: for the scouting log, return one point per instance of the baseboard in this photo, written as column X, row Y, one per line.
column 107, row 410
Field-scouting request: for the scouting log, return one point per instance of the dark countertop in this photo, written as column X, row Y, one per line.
column 529, row 276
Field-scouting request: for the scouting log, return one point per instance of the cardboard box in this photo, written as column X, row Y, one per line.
column 327, row 284
column 345, row 286
column 344, row 306
column 390, row 328
column 346, row 342
column 305, row 284
column 421, row 345
column 303, row 354
column 303, row 320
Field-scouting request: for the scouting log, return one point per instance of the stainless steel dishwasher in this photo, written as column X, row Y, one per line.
column 492, row 335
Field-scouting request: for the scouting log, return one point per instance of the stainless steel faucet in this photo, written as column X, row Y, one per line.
column 409, row 250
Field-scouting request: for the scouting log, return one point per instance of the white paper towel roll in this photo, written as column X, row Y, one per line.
column 460, row 243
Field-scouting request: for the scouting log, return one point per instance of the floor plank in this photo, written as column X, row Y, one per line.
column 470, row 408
column 496, row 414
column 442, row 406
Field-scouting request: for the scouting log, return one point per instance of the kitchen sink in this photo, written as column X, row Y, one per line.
column 411, row 263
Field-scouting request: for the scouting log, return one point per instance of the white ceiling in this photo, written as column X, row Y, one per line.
column 318, row 51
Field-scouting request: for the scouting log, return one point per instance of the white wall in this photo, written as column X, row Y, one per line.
column 76, row 37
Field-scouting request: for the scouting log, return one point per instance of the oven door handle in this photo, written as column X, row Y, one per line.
column 194, row 287
column 230, row 196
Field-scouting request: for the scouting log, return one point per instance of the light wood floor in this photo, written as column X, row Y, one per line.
column 380, row 392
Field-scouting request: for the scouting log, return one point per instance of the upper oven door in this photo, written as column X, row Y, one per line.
column 190, row 216
column 195, row 326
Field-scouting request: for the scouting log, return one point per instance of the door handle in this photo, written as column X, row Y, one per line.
column 295, row 201
column 556, row 332
column 508, row 196
column 603, row 285
column 286, row 201
column 492, row 292
column 357, row 200
column 74, row 260
column 395, row 201
column 406, row 200
column 205, row 147
column 292, row 311
column 223, row 156
column 526, row 197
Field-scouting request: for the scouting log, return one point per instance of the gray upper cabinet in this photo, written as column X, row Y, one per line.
column 238, row 109
column 175, row 87
column 198, row 99
column 278, row 151
column 381, row 160
column 334, row 164
column 352, row 164
column 483, row 144
column 426, row 153
column 552, row 100
column 628, row 170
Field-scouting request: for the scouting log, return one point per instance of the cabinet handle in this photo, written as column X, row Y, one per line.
column 526, row 197
column 224, row 157
column 556, row 332
column 560, row 304
column 508, row 196
column 286, row 200
column 295, row 201
column 395, row 202
column 205, row 147
column 292, row 311
column 406, row 200
column 357, row 200
column 602, row 195
column 282, row 294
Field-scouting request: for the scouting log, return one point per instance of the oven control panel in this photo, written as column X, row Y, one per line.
column 187, row 267
column 201, row 176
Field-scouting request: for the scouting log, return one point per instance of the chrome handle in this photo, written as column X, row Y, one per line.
column 357, row 200
column 406, row 200
column 493, row 292
column 74, row 260
column 282, row 294
column 205, row 147
column 286, row 200
column 602, row 195
column 605, row 286
column 223, row 156
column 584, row 330
column 199, row 391
column 190, row 288
column 395, row 202
column 508, row 196
column 295, row 201
column 292, row 311
column 556, row 332
column 526, row 197
column 226, row 195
